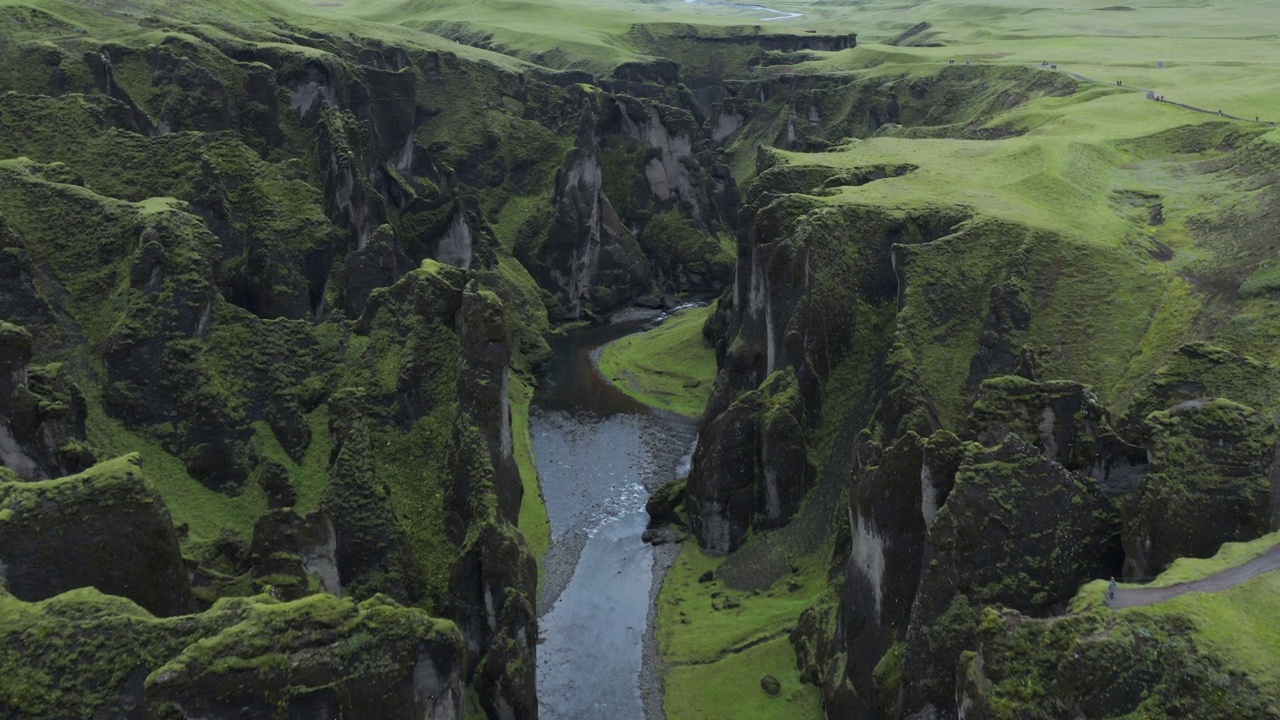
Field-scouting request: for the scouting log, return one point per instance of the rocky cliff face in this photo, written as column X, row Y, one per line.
column 638, row 204
column 967, row 475
column 42, row 416
column 1016, row 529
column 235, row 286
column 812, row 287
column 246, row 657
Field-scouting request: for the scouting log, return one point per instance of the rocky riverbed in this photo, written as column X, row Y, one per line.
column 600, row 454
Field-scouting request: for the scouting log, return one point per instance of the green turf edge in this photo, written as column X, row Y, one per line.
column 671, row 367
column 730, row 688
column 1237, row 625
column 533, row 521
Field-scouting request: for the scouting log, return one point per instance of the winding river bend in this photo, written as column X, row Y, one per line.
column 599, row 453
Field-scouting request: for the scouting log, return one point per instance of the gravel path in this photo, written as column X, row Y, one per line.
column 1229, row 578
column 1152, row 95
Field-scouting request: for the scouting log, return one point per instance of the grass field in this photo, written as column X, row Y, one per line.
column 670, row 367
column 721, row 642
column 1214, row 55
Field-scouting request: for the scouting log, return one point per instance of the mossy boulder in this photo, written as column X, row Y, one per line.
column 1210, row 482
column 105, row 528
column 320, row 656
column 84, row 654
column 1098, row 664
column 664, row 504
column 1017, row 529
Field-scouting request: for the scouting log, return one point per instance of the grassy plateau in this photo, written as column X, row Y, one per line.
column 670, row 367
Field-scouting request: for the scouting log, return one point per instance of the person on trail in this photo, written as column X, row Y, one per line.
column 1111, row 589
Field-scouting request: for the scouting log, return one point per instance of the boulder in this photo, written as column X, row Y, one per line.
column 105, row 528
column 288, row 549
column 320, row 657
column 663, row 506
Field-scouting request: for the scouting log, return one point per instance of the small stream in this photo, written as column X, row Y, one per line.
column 600, row 454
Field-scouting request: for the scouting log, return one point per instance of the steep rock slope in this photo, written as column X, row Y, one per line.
column 921, row 292
column 291, row 263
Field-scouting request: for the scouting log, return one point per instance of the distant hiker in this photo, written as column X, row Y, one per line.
column 966, row 62
column 1219, row 113
column 1111, row 589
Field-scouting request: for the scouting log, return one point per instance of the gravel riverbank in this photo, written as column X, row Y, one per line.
column 600, row 455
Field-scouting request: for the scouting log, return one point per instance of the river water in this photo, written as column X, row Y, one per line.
column 600, row 454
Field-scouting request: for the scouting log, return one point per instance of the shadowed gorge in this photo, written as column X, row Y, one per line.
column 342, row 344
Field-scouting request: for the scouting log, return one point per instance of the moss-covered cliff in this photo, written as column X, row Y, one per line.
column 1013, row 370
column 275, row 276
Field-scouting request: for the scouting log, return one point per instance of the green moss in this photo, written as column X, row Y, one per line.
column 310, row 477
column 695, row 623
column 79, row 654
column 534, row 523
column 887, row 676
column 526, row 305
column 204, row 512
column 729, row 688
column 671, row 367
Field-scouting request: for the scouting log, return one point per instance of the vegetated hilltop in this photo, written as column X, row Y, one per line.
column 998, row 331
column 275, row 276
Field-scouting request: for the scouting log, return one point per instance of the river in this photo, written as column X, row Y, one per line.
column 600, row 454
